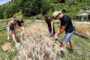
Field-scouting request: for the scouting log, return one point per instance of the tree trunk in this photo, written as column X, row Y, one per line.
column 62, row 1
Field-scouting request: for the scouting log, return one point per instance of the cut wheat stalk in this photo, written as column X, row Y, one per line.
column 35, row 45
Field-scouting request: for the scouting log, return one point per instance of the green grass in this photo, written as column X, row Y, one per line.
column 3, row 40
column 81, row 49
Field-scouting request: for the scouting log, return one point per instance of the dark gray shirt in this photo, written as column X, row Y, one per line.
column 66, row 21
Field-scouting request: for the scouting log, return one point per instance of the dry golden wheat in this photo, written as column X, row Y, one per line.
column 35, row 45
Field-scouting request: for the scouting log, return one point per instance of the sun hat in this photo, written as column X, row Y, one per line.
column 55, row 13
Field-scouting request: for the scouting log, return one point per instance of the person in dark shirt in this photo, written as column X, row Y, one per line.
column 67, row 26
column 20, row 24
column 11, row 29
column 50, row 24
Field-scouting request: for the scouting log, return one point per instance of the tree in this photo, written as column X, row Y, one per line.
column 31, row 7
column 1, row 12
column 35, row 7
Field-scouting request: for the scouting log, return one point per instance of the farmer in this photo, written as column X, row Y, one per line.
column 67, row 26
column 20, row 24
column 11, row 27
column 50, row 24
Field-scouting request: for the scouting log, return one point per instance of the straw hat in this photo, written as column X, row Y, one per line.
column 55, row 13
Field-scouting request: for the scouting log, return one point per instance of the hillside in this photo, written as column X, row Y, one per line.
column 30, row 8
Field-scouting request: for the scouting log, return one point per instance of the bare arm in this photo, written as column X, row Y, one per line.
column 60, row 30
column 8, row 25
column 52, row 24
column 18, row 26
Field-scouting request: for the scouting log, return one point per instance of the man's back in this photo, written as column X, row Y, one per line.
column 66, row 21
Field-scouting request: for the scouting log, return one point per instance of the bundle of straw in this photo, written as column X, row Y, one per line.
column 36, row 45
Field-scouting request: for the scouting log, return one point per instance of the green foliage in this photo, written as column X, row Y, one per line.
column 12, row 8
column 72, row 8
column 54, row 1
column 1, row 13
column 33, row 7
column 45, row 6
column 9, row 11
column 27, row 7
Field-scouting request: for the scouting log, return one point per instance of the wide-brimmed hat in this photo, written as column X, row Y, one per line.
column 55, row 13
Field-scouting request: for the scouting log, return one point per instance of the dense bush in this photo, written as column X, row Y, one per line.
column 1, row 12
column 9, row 11
column 33, row 7
column 28, row 7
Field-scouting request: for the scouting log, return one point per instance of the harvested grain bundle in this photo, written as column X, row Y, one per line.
column 6, row 47
column 35, row 45
column 83, row 30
